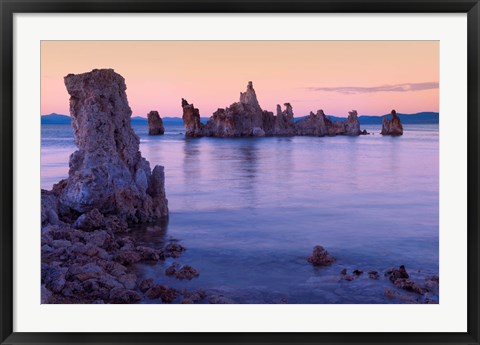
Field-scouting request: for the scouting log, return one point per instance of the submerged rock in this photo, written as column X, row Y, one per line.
column 123, row 296
column 107, row 172
column 397, row 273
column 392, row 126
column 185, row 272
column 173, row 250
column 373, row 275
column 357, row 272
column 400, row 278
column 320, row 257
column 155, row 123
column 166, row 294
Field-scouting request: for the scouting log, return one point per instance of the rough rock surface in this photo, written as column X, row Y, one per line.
column 95, row 266
column 320, row 257
column 185, row 272
column 191, row 120
column 284, row 123
column 107, row 172
column 239, row 119
column 246, row 118
column 315, row 125
column 392, row 126
column 49, row 208
column 352, row 126
column 155, row 123
column 401, row 279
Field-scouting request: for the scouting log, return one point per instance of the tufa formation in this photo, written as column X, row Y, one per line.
column 246, row 118
column 392, row 126
column 155, row 123
column 107, row 172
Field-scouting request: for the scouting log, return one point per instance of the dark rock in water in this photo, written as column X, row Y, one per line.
column 392, row 126
column 409, row 285
column 400, row 278
column 121, row 295
column 146, row 284
column 149, row 254
column 320, row 257
column 155, row 123
column 373, row 275
column 191, row 120
column 167, row 295
column 343, row 272
column 107, row 172
column 397, row 273
column 172, row 269
column 357, row 272
column 193, row 295
column 432, row 283
column 173, row 250
column 187, row 272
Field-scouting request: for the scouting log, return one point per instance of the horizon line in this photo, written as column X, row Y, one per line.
column 345, row 116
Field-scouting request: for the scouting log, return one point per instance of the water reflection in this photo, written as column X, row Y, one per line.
column 283, row 150
column 191, row 161
column 152, row 235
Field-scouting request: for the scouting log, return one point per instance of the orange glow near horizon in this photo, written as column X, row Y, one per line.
column 371, row 77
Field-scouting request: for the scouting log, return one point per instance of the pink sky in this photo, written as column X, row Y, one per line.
column 371, row 77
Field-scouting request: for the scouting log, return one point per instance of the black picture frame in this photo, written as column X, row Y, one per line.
column 9, row 8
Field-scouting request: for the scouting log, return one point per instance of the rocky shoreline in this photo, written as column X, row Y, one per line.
column 397, row 276
column 85, row 252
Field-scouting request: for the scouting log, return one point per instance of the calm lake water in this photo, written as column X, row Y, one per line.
column 250, row 210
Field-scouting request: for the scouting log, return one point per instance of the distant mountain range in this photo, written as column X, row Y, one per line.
column 55, row 119
column 423, row 117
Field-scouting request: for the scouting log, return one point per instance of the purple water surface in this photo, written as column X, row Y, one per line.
column 250, row 210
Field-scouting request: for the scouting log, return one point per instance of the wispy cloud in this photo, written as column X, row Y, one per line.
column 407, row 87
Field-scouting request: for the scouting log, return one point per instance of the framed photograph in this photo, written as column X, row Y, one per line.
column 239, row 172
